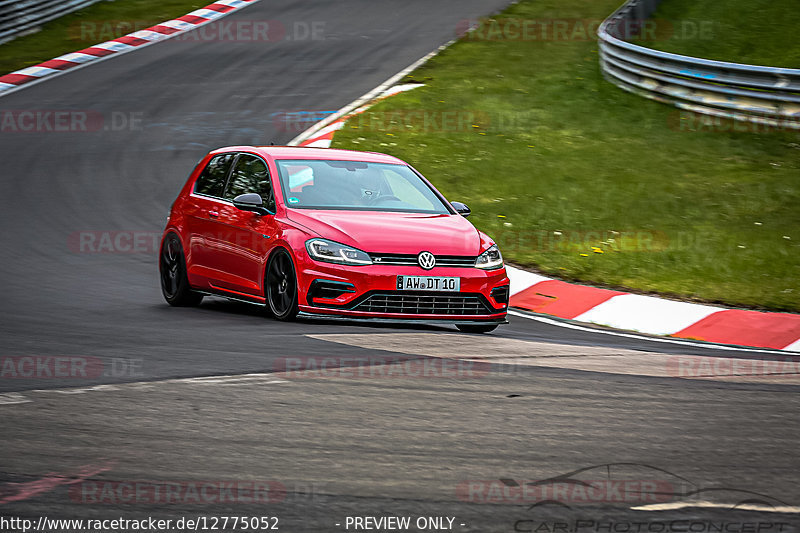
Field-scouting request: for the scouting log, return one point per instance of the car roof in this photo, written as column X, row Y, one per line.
column 298, row 152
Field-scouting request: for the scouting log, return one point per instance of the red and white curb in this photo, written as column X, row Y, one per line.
column 651, row 315
column 592, row 305
column 323, row 137
column 127, row 43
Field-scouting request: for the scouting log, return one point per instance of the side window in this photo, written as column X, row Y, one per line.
column 212, row 180
column 251, row 175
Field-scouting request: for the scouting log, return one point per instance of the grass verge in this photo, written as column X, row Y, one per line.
column 579, row 179
column 95, row 24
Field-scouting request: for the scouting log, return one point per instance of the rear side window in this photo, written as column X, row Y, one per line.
column 212, row 181
column 251, row 175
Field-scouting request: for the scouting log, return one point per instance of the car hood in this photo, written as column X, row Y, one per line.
column 397, row 233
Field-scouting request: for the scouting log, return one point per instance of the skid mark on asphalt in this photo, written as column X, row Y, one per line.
column 785, row 370
column 14, row 492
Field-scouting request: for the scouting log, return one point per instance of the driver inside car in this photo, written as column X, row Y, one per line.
column 370, row 182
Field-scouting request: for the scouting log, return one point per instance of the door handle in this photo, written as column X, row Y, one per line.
column 213, row 214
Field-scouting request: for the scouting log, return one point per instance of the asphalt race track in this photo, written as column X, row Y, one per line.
column 207, row 395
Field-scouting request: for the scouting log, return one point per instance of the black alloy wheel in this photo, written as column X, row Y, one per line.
column 281, row 286
column 174, row 281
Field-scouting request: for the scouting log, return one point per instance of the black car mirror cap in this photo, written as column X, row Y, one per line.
column 461, row 209
column 251, row 202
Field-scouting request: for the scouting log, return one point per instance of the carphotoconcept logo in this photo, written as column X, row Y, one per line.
column 637, row 485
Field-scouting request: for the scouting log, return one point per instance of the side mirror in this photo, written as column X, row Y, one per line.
column 251, row 202
column 461, row 209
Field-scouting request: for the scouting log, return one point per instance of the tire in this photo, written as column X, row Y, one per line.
column 469, row 328
column 172, row 269
column 280, row 286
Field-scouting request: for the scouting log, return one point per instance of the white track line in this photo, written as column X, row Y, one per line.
column 11, row 398
column 368, row 97
column 711, row 505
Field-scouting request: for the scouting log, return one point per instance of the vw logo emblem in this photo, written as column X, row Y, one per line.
column 426, row 260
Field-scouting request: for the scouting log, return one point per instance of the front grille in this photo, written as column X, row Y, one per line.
column 423, row 304
column 409, row 259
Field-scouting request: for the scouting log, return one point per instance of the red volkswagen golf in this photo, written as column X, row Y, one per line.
column 332, row 233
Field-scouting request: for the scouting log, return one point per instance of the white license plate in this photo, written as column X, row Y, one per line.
column 428, row 283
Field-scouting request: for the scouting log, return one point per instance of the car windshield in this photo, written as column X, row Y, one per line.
column 356, row 185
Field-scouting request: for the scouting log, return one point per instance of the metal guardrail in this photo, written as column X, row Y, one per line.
column 20, row 16
column 763, row 95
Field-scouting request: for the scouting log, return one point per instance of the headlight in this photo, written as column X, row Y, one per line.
column 333, row 252
column 490, row 259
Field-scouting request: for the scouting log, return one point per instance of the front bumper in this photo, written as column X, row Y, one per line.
column 370, row 292
column 404, row 319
